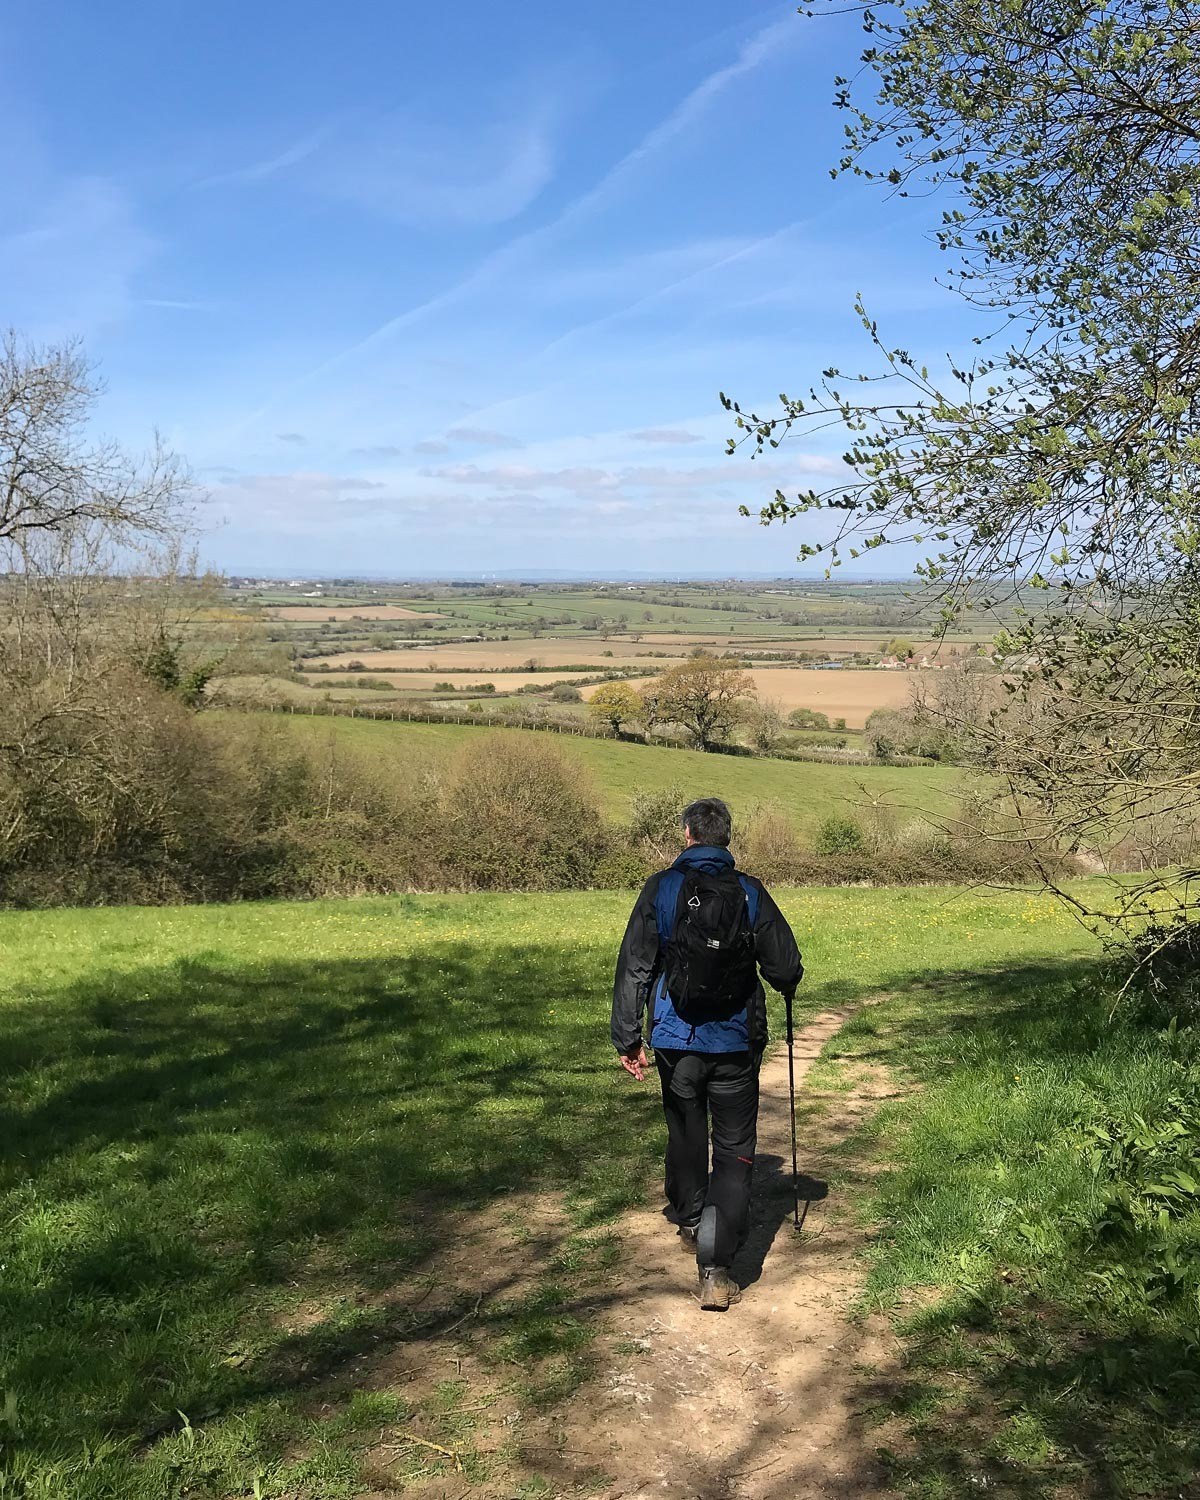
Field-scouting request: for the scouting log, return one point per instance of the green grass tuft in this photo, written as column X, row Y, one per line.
column 1047, row 1184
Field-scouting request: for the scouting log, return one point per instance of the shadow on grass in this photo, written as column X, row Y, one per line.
column 1049, row 1359
column 192, row 1151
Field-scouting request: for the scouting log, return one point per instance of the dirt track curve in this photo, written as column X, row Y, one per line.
column 767, row 1399
column 776, row 1398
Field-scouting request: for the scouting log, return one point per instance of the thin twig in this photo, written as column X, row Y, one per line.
column 410, row 1438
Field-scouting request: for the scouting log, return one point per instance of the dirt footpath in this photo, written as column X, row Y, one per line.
column 779, row 1397
column 768, row 1399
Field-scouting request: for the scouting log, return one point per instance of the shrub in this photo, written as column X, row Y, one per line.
column 764, row 725
column 767, row 845
column 654, row 823
column 148, row 803
column 818, row 741
column 565, row 692
column 516, row 816
column 840, row 835
column 808, row 718
column 891, row 733
column 1159, row 971
column 622, row 866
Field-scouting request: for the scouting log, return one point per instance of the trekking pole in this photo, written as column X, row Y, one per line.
column 792, row 1110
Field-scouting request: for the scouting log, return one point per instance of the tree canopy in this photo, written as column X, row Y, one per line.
column 1061, row 462
column 616, row 703
column 706, row 695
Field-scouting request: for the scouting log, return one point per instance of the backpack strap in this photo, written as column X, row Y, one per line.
column 751, row 891
column 666, row 899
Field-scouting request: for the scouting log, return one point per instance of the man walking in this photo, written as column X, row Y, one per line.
column 698, row 936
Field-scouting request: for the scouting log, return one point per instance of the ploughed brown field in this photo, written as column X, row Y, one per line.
column 848, row 695
column 835, row 645
column 500, row 656
column 317, row 612
column 503, row 682
column 842, row 694
column 475, row 656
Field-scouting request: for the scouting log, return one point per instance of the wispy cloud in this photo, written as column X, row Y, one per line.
column 484, row 437
column 417, row 172
column 770, row 41
column 296, row 438
column 384, row 451
column 589, row 480
column 281, row 487
column 675, row 436
column 175, row 304
column 272, row 166
column 767, row 43
column 72, row 257
column 656, row 294
column 578, row 481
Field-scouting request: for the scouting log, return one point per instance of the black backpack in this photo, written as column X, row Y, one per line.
column 709, row 960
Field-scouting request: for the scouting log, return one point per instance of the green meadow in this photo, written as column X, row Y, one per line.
column 215, row 1116
column 808, row 613
column 807, row 791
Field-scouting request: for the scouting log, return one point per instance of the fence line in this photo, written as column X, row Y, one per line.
column 490, row 719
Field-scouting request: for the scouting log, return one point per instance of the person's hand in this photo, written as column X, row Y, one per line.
column 635, row 1063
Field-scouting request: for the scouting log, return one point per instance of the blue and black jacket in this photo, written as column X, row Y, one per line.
column 640, row 984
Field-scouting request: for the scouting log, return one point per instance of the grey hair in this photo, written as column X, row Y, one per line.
column 708, row 821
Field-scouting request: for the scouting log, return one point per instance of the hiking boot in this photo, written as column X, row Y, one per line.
column 687, row 1238
column 718, row 1290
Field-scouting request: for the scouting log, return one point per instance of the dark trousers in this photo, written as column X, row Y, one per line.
column 722, row 1087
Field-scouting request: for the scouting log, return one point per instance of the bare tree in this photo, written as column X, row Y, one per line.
column 53, row 476
column 90, row 577
column 765, row 721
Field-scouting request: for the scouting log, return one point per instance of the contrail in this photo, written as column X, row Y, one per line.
column 495, row 407
column 751, row 55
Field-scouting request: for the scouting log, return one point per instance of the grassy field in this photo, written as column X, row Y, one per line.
column 738, row 610
column 850, row 695
column 499, row 656
column 232, row 1133
column 423, row 683
column 1039, row 1232
column 837, row 617
column 807, row 791
column 308, row 614
column 495, row 629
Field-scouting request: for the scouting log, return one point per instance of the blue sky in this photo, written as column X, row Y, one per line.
column 435, row 289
